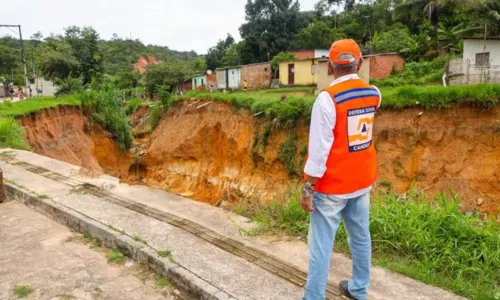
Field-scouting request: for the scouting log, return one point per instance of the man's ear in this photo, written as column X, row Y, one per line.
column 360, row 63
column 330, row 67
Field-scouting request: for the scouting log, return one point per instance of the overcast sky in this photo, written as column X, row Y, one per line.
column 179, row 24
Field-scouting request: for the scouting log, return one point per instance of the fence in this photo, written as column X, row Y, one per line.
column 463, row 72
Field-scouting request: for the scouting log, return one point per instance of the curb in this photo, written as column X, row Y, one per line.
column 184, row 279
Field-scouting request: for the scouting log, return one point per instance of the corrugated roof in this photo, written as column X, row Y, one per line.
column 236, row 67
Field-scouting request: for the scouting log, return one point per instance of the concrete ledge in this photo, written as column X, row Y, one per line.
column 184, row 279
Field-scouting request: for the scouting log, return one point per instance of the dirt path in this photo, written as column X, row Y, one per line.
column 48, row 258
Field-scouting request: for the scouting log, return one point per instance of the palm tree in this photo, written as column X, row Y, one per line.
column 430, row 8
column 452, row 35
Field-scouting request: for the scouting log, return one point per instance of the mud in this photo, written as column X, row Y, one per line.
column 218, row 155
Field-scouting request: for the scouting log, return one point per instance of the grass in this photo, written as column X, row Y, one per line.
column 116, row 229
column 116, row 257
column 163, row 282
column 22, row 291
column 429, row 240
column 11, row 134
column 166, row 254
column 133, row 105
column 286, row 154
column 25, row 107
column 140, row 239
column 43, row 196
column 93, row 241
column 106, row 108
column 429, row 97
column 386, row 184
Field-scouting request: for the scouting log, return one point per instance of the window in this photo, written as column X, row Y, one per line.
column 482, row 59
column 195, row 84
column 202, row 83
column 265, row 69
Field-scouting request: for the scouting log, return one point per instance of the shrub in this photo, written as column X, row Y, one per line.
column 11, row 134
column 432, row 241
column 69, row 86
column 133, row 105
column 106, row 108
column 287, row 153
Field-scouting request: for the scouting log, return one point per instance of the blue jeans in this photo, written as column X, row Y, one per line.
column 324, row 224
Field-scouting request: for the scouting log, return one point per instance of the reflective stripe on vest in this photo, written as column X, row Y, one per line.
column 352, row 162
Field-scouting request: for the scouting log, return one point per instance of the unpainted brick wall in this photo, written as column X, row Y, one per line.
column 303, row 54
column 381, row 66
column 258, row 76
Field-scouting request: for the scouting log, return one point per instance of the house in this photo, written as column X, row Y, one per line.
column 183, row 86
column 309, row 54
column 199, row 82
column 377, row 66
column 302, row 71
column 257, row 76
column 48, row 87
column 480, row 62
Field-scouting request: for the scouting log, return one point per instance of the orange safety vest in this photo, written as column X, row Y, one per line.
column 352, row 163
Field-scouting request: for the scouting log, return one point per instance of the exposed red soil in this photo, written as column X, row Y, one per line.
column 209, row 154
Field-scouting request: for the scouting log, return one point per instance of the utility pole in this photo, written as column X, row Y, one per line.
column 27, row 82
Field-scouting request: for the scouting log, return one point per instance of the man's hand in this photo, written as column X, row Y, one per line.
column 307, row 203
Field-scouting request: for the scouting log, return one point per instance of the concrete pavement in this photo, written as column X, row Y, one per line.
column 46, row 256
column 205, row 240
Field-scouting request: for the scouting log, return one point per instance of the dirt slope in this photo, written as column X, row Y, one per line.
column 64, row 133
column 216, row 154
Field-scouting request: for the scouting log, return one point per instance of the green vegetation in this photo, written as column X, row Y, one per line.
column 106, row 108
column 133, row 105
column 138, row 238
column 287, row 153
column 386, row 184
column 26, row 107
column 11, row 134
column 116, row 229
column 115, row 257
column 167, row 254
column 93, row 241
column 269, row 103
column 43, row 196
column 417, row 73
column 23, row 290
column 432, row 241
column 162, row 282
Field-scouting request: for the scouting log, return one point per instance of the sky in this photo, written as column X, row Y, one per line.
column 182, row 25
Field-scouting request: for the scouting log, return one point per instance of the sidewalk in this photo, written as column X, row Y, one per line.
column 55, row 264
column 205, row 240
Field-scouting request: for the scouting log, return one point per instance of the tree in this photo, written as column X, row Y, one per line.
column 200, row 65
column 86, row 50
column 452, row 36
column 215, row 54
column 318, row 35
column 270, row 28
column 232, row 57
column 393, row 40
column 279, row 58
column 58, row 66
column 164, row 76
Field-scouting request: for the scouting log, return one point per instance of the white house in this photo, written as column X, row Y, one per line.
column 480, row 62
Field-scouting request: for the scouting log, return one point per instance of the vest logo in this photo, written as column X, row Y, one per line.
column 360, row 128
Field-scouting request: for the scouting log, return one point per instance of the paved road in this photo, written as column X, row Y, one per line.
column 48, row 257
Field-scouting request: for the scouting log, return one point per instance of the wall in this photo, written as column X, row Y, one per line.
column 472, row 47
column 303, row 72
column 258, row 76
column 321, row 53
column 381, row 65
column 221, row 79
column 234, row 78
column 48, row 88
column 325, row 79
column 212, row 82
column 199, row 81
column 303, row 54
column 234, row 75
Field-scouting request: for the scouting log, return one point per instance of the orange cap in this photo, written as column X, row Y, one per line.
column 344, row 52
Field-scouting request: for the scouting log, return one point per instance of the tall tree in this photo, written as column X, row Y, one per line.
column 215, row 54
column 270, row 28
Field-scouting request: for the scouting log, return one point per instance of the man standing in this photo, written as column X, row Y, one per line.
column 340, row 170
